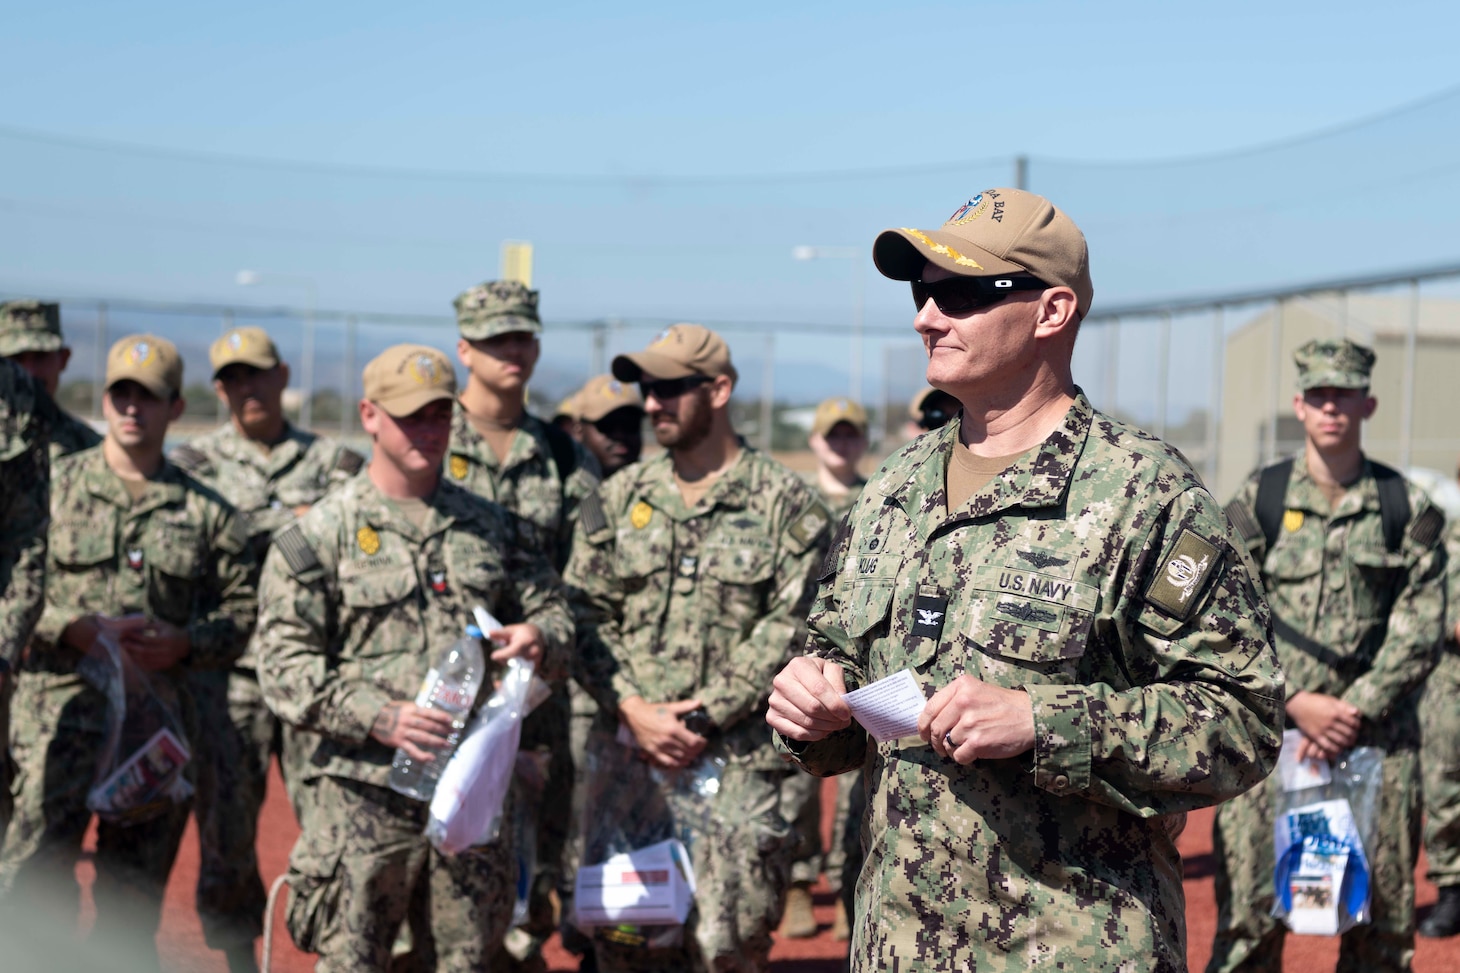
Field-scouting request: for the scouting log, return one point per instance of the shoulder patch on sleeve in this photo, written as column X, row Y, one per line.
column 810, row 525
column 1425, row 529
column 295, row 550
column 591, row 515
column 1242, row 521
column 349, row 461
column 1182, row 575
column 195, row 461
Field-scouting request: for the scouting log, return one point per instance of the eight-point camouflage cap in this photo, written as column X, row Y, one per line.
column 496, row 307
column 604, row 394
column 29, row 326
column 998, row 232
column 679, row 351
column 839, row 409
column 1333, row 364
column 404, row 378
column 148, row 360
column 243, row 346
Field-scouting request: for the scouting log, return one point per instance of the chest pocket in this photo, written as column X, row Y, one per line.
column 869, row 582
column 1037, row 622
column 176, row 562
column 1378, row 575
column 1294, row 560
column 478, row 567
column 81, row 546
column 742, row 567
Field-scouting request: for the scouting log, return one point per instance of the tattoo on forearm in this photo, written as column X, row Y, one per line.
column 387, row 720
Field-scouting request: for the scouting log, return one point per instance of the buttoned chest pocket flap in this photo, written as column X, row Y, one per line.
column 868, row 584
column 177, row 550
column 742, row 567
column 1293, row 560
column 377, row 588
column 477, row 565
column 640, row 554
column 82, row 545
column 1033, row 619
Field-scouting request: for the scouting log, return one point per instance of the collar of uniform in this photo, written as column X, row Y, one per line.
column 1305, row 494
column 164, row 489
column 919, row 481
column 656, row 486
column 235, row 445
column 467, row 441
column 375, row 509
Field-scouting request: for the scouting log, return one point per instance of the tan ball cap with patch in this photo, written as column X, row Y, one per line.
column 604, row 394
column 243, row 346
column 148, row 360
column 405, row 378
column 998, row 232
column 839, row 409
column 679, row 351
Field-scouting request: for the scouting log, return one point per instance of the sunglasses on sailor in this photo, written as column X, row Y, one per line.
column 665, row 389
column 961, row 295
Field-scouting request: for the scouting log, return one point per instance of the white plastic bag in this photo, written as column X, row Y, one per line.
column 467, row 808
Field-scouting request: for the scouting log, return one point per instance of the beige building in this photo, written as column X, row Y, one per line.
column 1418, row 419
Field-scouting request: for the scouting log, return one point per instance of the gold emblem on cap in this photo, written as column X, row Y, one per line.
column 1292, row 520
column 369, row 540
column 141, row 353
column 941, row 248
column 641, row 515
column 458, row 466
column 423, row 369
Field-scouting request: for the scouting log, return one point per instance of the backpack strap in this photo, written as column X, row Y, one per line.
column 1393, row 505
column 565, row 457
column 1272, row 489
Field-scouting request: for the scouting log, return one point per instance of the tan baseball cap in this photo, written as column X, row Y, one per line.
column 148, row 360
column 243, row 346
column 29, row 326
column 567, row 409
column 404, row 378
column 839, row 409
column 604, row 394
column 917, row 409
column 496, row 307
column 679, row 351
column 997, row 232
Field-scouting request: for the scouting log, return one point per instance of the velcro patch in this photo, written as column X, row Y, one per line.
column 1182, row 575
column 295, row 549
column 591, row 515
column 195, row 461
column 349, row 462
column 810, row 525
column 1426, row 527
column 929, row 611
column 1242, row 521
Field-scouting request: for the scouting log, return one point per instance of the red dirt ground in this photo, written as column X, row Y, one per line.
column 181, row 939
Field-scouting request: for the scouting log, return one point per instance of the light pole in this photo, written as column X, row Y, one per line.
column 254, row 278
column 853, row 255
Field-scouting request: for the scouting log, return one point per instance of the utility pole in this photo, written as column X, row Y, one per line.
column 1021, row 172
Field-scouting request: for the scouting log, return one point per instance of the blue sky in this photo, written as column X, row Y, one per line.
column 664, row 158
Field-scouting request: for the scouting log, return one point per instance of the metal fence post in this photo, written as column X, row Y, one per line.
column 1163, row 375
column 98, row 379
column 1406, row 404
column 768, row 394
column 348, row 405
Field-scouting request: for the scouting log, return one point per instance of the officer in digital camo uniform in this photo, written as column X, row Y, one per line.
column 131, row 535
column 1354, row 572
column 838, row 440
column 1091, row 636
column 1439, row 712
column 538, row 472
column 25, row 421
column 692, row 573
column 271, row 471
column 358, row 598
column 30, row 335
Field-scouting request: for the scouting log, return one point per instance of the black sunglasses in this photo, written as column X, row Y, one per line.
column 665, row 389
column 960, row 295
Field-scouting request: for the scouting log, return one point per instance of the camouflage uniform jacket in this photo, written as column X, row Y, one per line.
column 1377, row 615
column 71, row 435
column 178, row 554
column 706, row 603
column 1452, row 583
column 24, row 508
column 840, row 504
column 528, row 482
column 265, row 488
column 356, row 604
column 1097, row 575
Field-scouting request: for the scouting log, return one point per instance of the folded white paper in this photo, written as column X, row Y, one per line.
column 652, row 886
column 1299, row 775
column 889, row 708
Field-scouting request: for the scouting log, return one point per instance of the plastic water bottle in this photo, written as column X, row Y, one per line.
column 450, row 685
